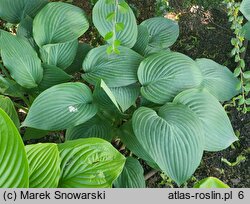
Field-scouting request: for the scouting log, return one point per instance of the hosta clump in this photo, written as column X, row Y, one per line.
column 163, row 106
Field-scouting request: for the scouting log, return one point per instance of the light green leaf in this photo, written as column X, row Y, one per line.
column 13, row 160
column 59, row 22
column 126, row 96
column 100, row 12
column 81, row 53
column 110, row 16
column 131, row 176
column 164, row 75
column 61, row 55
column 246, row 27
column 7, row 105
column 44, row 165
column 31, row 133
column 61, row 106
column 115, row 70
column 210, row 182
column 14, row 11
column 218, row 79
column 21, row 60
column 219, row 133
column 119, row 27
column 123, row 7
column 245, row 9
column 95, row 127
column 53, row 75
column 142, row 40
column 131, row 142
column 246, row 75
column 89, row 163
column 163, row 32
column 173, row 137
column 109, row 35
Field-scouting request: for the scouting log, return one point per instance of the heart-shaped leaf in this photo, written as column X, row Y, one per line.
column 44, row 165
column 13, row 160
column 21, row 60
column 61, row 106
column 166, row 74
column 95, row 127
column 7, row 105
column 89, row 163
column 15, row 10
column 59, row 22
column 101, row 11
column 131, row 176
column 115, row 70
column 216, row 75
column 173, row 137
column 218, row 130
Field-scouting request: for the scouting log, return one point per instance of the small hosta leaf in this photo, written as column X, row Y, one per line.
column 210, row 182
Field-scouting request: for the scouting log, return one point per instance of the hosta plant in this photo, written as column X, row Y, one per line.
column 161, row 106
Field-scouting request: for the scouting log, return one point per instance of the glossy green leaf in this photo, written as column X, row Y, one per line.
column 81, row 53
column 13, row 160
column 245, row 9
column 218, row 130
column 218, row 79
column 21, row 60
column 131, row 176
column 7, row 105
column 173, row 137
column 89, row 163
column 31, row 133
column 163, row 32
column 61, row 106
column 61, row 55
column 14, row 11
column 59, row 22
column 166, row 74
column 210, row 182
column 44, row 165
column 115, row 70
column 142, row 40
column 95, row 127
column 126, row 96
column 128, row 35
column 246, row 27
column 53, row 75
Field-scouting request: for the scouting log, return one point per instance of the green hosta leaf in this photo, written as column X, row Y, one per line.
column 10, row 87
column 59, row 22
column 53, row 75
column 131, row 142
column 31, row 133
column 245, row 8
column 115, row 70
column 7, row 105
column 14, row 11
column 126, row 96
column 164, row 75
column 218, row 130
column 13, row 160
column 81, row 53
column 21, row 60
column 218, row 79
column 131, row 176
column 100, row 12
column 89, row 163
column 173, row 137
column 61, row 55
column 95, row 127
column 142, row 40
column 210, row 182
column 246, row 27
column 44, row 165
column 61, row 106
column 163, row 32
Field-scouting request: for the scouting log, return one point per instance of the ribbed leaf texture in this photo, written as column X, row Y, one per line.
column 245, row 9
column 13, row 160
column 44, row 165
